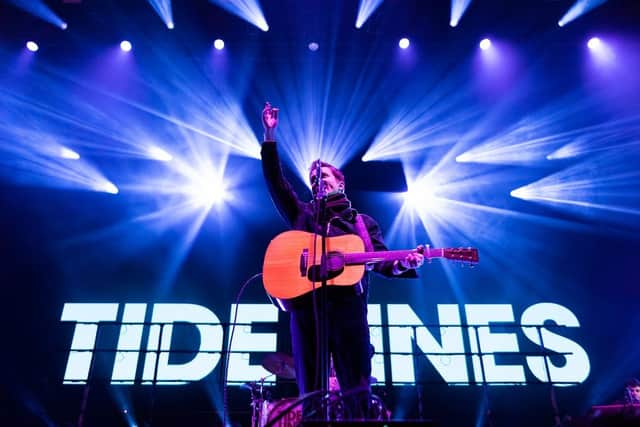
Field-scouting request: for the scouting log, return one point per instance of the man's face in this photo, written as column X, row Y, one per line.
column 331, row 183
column 635, row 393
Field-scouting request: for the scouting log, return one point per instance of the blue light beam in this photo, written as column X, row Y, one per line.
column 163, row 9
column 421, row 120
column 458, row 8
column 610, row 135
column 606, row 186
column 39, row 9
column 365, row 9
column 249, row 10
column 453, row 208
column 579, row 8
column 41, row 160
column 536, row 136
column 325, row 112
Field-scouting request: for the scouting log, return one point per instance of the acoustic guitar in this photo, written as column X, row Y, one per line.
column 292, row 263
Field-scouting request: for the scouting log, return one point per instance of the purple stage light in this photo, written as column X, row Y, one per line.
column 125, row 45
column 404, row 43
column 485, row 44
column 601, row 51
column 313, row 46
column 594, row 43
column 32, row 46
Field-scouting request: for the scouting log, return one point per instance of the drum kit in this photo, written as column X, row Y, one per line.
column 287, row 412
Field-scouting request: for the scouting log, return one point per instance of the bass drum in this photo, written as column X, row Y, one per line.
column 281, row 413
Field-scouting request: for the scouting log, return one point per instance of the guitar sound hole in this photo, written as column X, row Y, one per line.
column 315, row 274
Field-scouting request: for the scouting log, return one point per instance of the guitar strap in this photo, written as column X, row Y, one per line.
column 363, row 233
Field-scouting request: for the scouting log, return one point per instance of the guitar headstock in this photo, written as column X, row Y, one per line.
column 469, row 255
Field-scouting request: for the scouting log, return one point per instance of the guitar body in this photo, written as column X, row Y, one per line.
column 291, row 259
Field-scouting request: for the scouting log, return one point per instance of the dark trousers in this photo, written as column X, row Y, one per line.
column 349, row 344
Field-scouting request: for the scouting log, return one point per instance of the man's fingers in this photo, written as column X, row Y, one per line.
column 413, row 260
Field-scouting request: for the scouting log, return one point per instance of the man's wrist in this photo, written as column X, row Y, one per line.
column 398, row 269
column 269, row 134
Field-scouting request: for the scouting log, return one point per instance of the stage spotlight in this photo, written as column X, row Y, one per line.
column 458, row 7
column 32, row 46
column 218, row 44
column 125, row 45
column 594, row 43
column 365, row 9
column 313, row 46
column 579, row 8
column 107, row 187
column 64, row 25
column 39, row 9
column 485, row 44
column 207, row 192
column 601, row 51
column 163, row 9
column 519, row 193
column 249, row 10
column 67, row 153
column 158, row 153
column 404, row 43
column 421, row 197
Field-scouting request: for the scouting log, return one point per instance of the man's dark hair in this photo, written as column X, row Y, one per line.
column 632, row 382
column 336, row 172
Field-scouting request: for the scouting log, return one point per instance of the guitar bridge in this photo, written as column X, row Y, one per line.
column 304, row 262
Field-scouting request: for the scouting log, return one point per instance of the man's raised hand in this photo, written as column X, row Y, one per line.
column 269, row 116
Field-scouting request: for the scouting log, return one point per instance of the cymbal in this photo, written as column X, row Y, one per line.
column 279, row 364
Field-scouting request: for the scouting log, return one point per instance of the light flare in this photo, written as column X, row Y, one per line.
column 249, row 10
column 365, row 9
column 579, row 8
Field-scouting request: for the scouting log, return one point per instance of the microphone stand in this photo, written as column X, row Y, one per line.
column 323, row 318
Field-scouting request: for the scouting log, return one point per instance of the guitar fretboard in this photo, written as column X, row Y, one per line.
column 373, row 257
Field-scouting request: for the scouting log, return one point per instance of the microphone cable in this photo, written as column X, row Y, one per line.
column 225, row 410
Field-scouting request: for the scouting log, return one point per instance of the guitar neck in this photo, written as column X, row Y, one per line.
column 381, row 256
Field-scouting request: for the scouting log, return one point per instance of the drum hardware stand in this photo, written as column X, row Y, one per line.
column 257, row 399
